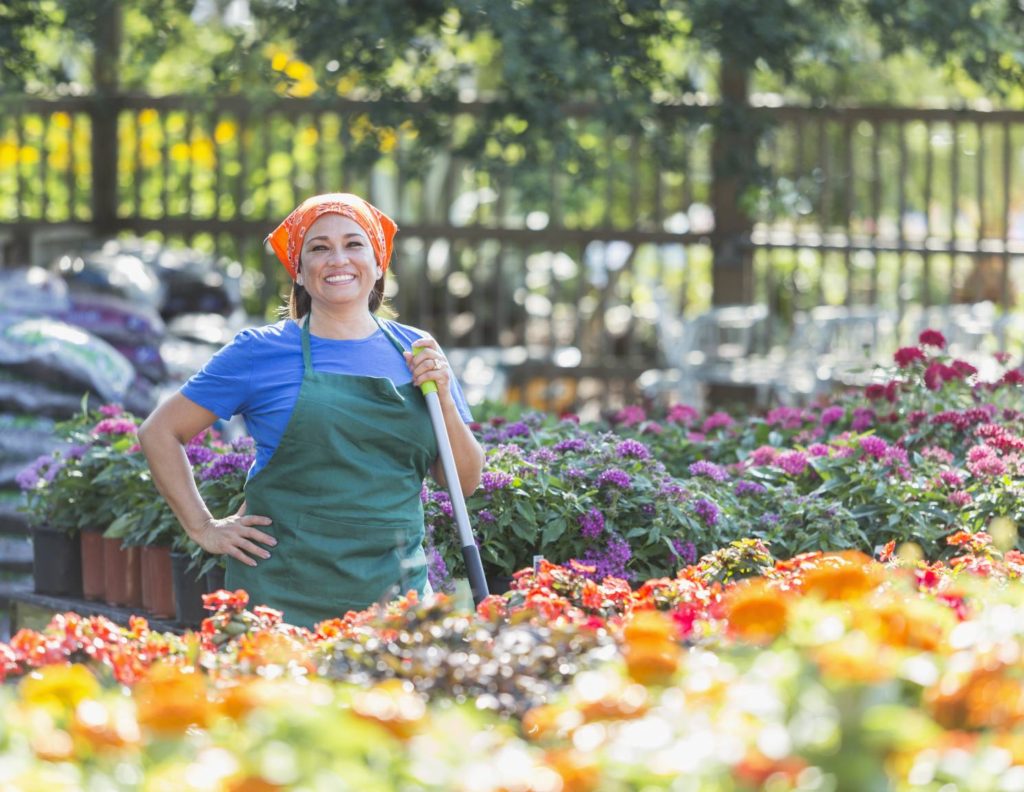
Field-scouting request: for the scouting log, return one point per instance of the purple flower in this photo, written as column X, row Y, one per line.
column 792, row 462
column 591, row 524
column 748, row 488
column 444, row 502
column 785, row 417
column 763, row 455
column 493, row 480
column 199, row 455
column 517, row 429
column 76, row 451
column 611, row 562
column 681, row 414
column 31, row 477
column 424, row 494
column 574, row 473
column 543, row 456
column 437, row 569
column 111, row 410
column 633, row 449
column 707, row 510
column 629, row 415
column 769, row 519
column 571, row 444
column 670, row 489
column 819, row 450
column 486, row 516
column 863, row 418
column 615, row 478
column 685, row 551
column 227, row 465
column 244, row 443
column 709, row 469
column 831, row 414
column 874, row 446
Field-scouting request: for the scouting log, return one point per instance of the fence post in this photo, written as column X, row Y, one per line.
column 732, row 155
column 104, row 147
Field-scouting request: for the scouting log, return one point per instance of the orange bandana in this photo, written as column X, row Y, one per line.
column 286, row 239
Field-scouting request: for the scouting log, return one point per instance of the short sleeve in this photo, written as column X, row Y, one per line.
column 223, row 385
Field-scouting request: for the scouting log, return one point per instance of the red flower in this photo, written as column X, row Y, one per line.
column 933, row 338
column 887, row 551
column 220, row 600
column 907, row 355
column 963, row 368
column 875, row 391
column 1012, row 377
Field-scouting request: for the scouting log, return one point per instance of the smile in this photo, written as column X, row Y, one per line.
column 339, row 278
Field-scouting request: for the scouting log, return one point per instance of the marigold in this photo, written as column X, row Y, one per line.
column 842, row 576
column 59, row 688
column 579, row 773
column 171, row 698
column 984, row 698
column 756, row 611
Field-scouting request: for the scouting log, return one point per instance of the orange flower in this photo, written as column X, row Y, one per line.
column 856, row 660
column 270, row 649
column 842, row 576
column 579, row 773
column 102, row 727
column 650, row 649
column 755, row 610
column 991, row 697
column 171, row 698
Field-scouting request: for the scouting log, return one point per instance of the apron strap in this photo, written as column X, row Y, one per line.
column 307, row 357
column 391, row 336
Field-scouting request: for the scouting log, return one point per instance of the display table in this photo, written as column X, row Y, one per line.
column 34, row 611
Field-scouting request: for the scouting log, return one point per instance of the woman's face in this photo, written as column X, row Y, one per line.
column 338, row 267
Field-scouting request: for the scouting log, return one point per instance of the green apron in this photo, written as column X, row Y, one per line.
column 343, row 489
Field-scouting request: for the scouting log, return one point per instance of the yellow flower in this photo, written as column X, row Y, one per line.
column 225, row 132
column 650, row 649
column 59, row 688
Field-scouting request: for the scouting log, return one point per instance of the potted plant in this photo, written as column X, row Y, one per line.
column 56, row 548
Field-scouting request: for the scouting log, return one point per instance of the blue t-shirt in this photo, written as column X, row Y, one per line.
column 258, row 375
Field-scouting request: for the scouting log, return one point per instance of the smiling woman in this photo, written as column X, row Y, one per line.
column 343, row 437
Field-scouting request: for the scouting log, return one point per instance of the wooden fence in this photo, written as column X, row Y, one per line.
column 876, row 206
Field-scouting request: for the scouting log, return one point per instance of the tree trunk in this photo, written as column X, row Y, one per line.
column 107, row 52
column 731, row 154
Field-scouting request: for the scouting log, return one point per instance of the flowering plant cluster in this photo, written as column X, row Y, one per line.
column 568, row 492
column 823, row 671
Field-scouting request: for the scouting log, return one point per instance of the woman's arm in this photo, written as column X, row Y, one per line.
column 469, row 456
column 163, row 436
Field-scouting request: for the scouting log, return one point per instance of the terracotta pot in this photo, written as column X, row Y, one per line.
column 123, row 568
column 158, row 581
column 188, row 592
column 93, row 583
column 56, row 562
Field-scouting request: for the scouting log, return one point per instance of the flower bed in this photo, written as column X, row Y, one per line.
column 927, row 450
column 826, row 671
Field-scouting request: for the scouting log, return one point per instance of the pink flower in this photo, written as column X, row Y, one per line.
column 819, row 450
column 982, row 461
column 718, row 420
column 763, row 455
column 951, row 478
column 874, row 447
column 114, row 426
column 938, row 373
column 111, row 410
column 932, row 338
column 940, row 455
column 681, row 414
column 960, row 498
column 905, row 356
column 630, row 415
column 963, row 369
column 832, row 414
column 792, row 462
column 863, row 418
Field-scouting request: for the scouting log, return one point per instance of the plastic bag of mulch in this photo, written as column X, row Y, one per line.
column 113, row 273
column 63, row 357
column 32, row 291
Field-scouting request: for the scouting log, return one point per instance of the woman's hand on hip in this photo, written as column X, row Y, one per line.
column 430, row 365
column 237, row 536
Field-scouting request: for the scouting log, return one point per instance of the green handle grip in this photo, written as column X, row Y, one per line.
column 429, row 386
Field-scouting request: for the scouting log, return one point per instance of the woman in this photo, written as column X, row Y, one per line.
column 332, row 518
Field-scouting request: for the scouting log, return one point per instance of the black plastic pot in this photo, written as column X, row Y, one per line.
column 188, row 592
column 56, row 562
column 498, row 584
column 215, row 579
